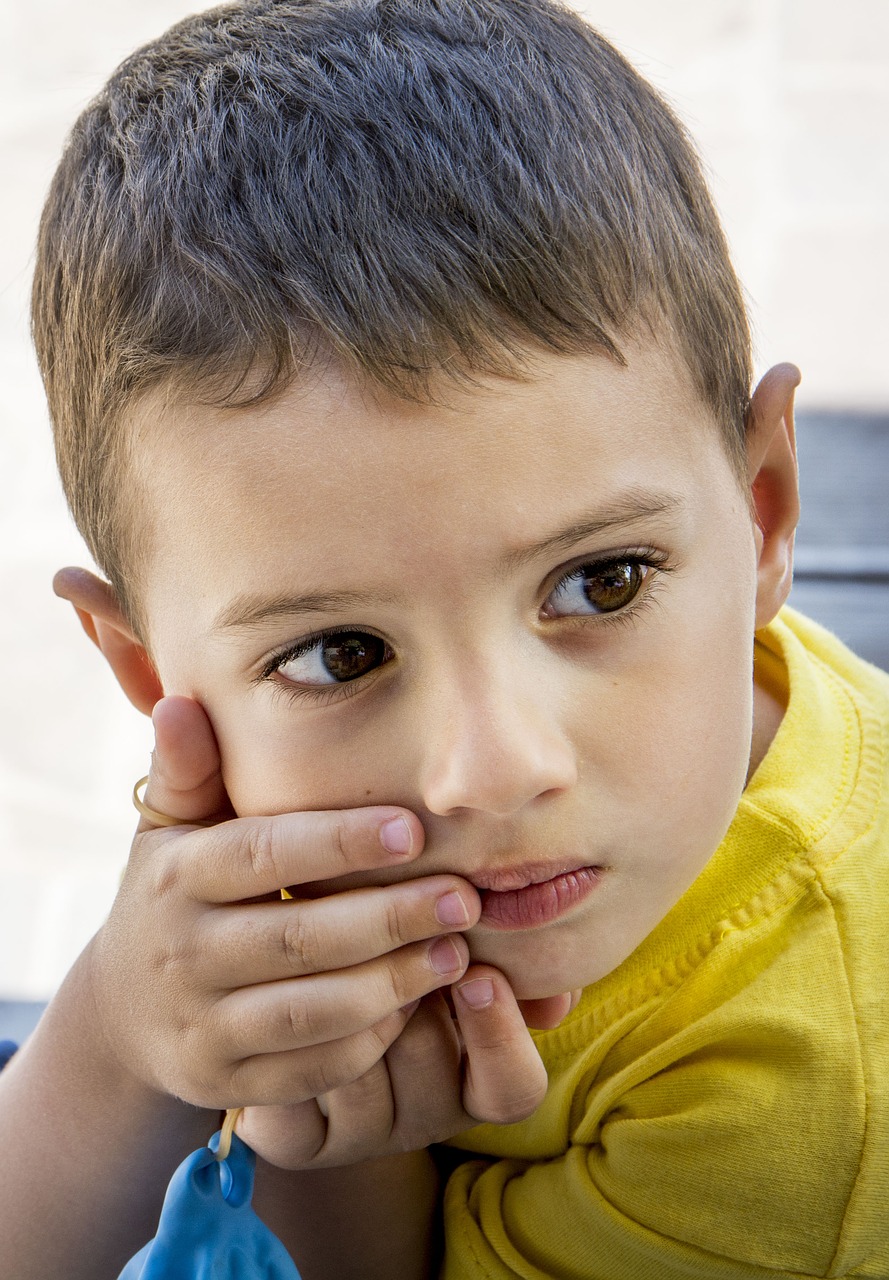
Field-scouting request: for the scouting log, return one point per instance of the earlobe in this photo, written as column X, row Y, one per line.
column 774, row 486
column 103, row 620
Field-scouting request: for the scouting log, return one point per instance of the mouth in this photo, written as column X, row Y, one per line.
column 525, row 897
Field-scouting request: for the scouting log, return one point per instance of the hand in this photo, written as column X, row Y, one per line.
column 443, row 1074
column 207, row 990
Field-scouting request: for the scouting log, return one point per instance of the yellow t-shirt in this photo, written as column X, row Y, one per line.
column 718, row 1105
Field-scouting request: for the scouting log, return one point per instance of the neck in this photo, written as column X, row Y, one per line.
column 769, row 705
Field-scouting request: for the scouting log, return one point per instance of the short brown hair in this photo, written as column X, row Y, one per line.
column 415, row 186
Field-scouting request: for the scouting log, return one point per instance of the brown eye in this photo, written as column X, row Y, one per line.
column 597, row 588
column 348, row 656
column 331, row 659
column 613, row 586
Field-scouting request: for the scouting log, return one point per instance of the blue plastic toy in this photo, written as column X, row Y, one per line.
column 207, row 1228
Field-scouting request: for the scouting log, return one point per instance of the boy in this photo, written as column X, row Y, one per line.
column 401, row 387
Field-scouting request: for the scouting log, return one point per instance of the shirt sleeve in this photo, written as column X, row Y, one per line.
column 734, row 1162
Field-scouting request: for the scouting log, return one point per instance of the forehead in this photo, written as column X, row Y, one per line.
column 333, row 473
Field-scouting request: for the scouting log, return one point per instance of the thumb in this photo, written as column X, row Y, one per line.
column 185, row 781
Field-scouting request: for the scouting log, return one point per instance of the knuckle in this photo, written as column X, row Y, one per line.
column 170, row 963
column 355, row 1057
column 396, row 927
column 341, row 843
column 263, row 851
column 323, row 1074
column 302, row 1023
column 168, row 871
column 323, row 1068
column 398, row 984
column 173, row 962
column 380, row 1035
column 300, row 943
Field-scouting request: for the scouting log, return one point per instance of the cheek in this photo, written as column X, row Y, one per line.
column 710, row 671
column 672, row 747
column 280, row 761
column 712, row 755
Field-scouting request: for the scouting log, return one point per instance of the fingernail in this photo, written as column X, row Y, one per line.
column 444, row 956
column 478, row 993
column 451, row 909
column 395, row 836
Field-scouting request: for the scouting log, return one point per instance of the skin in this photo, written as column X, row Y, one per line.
column 500, row 731
column 514, row 737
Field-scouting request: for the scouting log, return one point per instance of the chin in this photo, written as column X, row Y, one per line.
column 535, row 970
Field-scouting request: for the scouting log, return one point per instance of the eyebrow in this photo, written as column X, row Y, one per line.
column 247, row 610
column 633, row 507
column 636, row 505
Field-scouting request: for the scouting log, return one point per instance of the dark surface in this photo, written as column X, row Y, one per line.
column 844, row 477
column 857, row 612
column 842, row 574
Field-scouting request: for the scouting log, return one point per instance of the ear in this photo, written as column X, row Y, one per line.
column 774, row 486
column 103, row 621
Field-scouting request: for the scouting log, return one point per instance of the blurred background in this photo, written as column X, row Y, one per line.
column 789, row 103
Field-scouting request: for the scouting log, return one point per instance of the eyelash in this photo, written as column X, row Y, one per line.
column 318, row 694
column 641, row 557
column 638, row 557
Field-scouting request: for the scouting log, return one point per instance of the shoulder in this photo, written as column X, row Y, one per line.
column 724, row 1118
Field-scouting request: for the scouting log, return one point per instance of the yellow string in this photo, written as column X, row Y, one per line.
column 225, row 1136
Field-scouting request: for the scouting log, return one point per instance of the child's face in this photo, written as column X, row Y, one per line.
column 546, row 592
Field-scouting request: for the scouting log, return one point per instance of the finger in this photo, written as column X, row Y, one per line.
column 185, row 781
column 281, row 1016
column 263, row 943
column 298, row 1075
column 505, row 1080
column 548, row 1012
column 249, row 857
column 426, row 1070
column 288, row 1137
column 350, row 1124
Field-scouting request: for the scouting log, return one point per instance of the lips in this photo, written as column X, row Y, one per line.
column 525, row 897
column 504, row 879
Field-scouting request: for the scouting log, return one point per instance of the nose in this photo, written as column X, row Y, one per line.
column 492, row 743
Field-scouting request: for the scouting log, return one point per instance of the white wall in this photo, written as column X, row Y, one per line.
column 789, row 100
